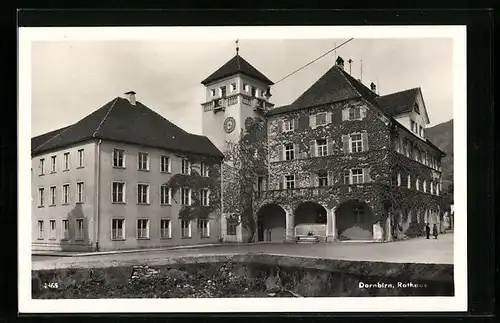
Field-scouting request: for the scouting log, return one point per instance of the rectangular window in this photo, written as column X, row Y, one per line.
column 52, row 196
column 288, row 125
column 65, row 230
column 233, row 87
column 40, row 196
column 321, row 147
column 358, row 214
column 320, row 119
column 53, row 164
column 119, row 158
column 79, row 229
column 425, row 186
column 185, row 196
column 223, row 92
column 323, row 179
column 81, row 161
column 66, row 161
column 42, row 166
column 347, row 176
column 254, row 91
column 185, row 229
column 245, row 87
column 290, row 181
column 231, row 228
column 354, row 113
column 165, row 164
column 80, row 192
column 40, row 229
column 117, row 229
column 212, row 92
column 142, row 229
column 165, row 195
column 204, row 228
column 204, row 169
column 65, row 194
column 356, row 143
column 165, row 229
column 204, row 193
column 142, row 194
column 118, row 192
column 357, row 176
column 417, row 184
column 52, row 229
column 143, row 161
column 289, row 152
column 185, row 167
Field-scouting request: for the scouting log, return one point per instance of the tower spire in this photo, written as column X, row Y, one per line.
column 237, row 47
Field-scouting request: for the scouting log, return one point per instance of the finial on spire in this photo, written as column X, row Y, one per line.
column 237, row 48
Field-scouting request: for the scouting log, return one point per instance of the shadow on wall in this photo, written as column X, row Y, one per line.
column 78, row 237
column 354, row 221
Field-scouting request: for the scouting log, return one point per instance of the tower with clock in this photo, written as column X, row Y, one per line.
column 236, row 94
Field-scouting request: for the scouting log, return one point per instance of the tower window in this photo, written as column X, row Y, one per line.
column 233, row 87
column 254, row 91
column 212, row 92
column 223, row 92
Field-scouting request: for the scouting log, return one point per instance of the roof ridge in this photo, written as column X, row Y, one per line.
column 52, row 138
column 104, row 118
column 344, row 73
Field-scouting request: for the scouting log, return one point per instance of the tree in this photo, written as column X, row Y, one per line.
column 245, row 160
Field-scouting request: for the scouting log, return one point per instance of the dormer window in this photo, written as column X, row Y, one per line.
column 416, row 108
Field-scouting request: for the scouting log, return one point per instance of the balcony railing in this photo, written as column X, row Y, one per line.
column 311, row 192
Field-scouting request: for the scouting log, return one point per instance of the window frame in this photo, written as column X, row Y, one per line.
column 65, row 194
column 289, row 153
column 53, row 164
column 168, row 195
column 141, row 194
column 318, row 115
column 117, row 158
column 77, row 230
column 355, row 116
column 204, row 169
column 114, row 237
column 324, row 148
column 41, row 196
column 162, row 164
column 81, row 158
column 229, row 228
column 288, row 125
column 183, row 196
column 64, row 229
column 358, row 143
column 140, row 162
column 66, row 161
column 123, row 192
column 323, row 176
column 139, row 231
column 290, row 182
column 52, row 231
column 52, row 195
column 233, row 87
column 182, row 228
column 357, row 176
column 205, row 201
column 80, row 195
column 183, row 166
column 205, row 231
column 40, row 230
column 42, row 166
column 358, row 213
column 162, row 229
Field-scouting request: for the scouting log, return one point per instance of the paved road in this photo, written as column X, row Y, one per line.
column 419, row 250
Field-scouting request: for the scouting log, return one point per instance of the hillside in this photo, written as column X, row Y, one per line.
column 442, row 136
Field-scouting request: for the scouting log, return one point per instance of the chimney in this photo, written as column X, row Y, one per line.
column 130, row 95
column 340, row 62
column 373, row 87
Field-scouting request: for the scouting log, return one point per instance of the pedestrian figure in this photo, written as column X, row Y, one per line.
column 427, row 230
column 435, row 231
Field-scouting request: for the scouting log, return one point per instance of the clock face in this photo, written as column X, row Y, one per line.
column 229, row 124
column 248, row 122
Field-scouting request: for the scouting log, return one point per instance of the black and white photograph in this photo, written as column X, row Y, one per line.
column 254, row 169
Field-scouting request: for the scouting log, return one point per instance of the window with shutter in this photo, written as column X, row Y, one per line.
column 329, row 143
column 345, row 114
column 312, row 121
column 345, row 144
column 328, row 117
column 330, row 178
column 364, row 136
column 366, row 173
column 303, row 122
column 312, row 148
column 347, row 177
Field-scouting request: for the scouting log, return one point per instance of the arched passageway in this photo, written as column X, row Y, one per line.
column 271, row 223
column 354, row 221
column 310, row 218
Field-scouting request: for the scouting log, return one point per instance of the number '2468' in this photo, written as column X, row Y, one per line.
column 51, row 285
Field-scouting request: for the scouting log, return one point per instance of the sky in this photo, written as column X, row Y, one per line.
column 71, row 79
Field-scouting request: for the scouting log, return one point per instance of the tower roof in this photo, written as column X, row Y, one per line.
column 234, row 66
column 119, row 120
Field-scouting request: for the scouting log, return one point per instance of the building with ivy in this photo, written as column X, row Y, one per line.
column 342, row 162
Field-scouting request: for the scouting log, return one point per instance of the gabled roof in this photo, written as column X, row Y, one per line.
column 118, row 120
column 234, row 66
column 398, row 103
